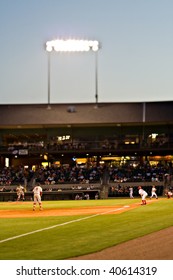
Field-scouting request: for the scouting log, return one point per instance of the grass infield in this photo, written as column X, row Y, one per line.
column 63, row 236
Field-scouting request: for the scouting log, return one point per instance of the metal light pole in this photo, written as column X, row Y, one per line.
column 48, row 81
column 71, row 45
column 96, row 79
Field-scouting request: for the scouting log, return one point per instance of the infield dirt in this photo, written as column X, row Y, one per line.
column 91, row 210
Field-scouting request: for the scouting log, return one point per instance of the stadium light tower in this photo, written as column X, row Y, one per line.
column 72, row 45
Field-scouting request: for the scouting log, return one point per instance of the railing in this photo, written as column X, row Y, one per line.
column 94, row 146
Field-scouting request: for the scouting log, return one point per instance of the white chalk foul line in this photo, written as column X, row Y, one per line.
column 59, row 225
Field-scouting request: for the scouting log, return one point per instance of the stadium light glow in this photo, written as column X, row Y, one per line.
column 71, row 45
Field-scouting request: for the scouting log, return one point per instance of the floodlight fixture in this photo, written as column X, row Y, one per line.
column 72, row 45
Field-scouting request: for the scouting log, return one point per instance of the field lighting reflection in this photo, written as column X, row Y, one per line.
column 71, row 45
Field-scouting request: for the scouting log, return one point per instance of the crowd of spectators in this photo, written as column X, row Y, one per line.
column 84, row 175
column 66, row 174
column 10, row 175
column 140, row 173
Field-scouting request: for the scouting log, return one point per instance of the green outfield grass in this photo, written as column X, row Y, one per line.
column 78, row 237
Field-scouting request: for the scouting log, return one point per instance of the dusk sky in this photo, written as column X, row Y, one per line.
column 135, row 62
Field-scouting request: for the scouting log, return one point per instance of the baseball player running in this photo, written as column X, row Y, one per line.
column 37, row 196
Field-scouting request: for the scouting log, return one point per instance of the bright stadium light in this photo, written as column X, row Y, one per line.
column 72, row 45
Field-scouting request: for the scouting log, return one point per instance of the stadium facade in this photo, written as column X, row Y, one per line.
column 36, row 134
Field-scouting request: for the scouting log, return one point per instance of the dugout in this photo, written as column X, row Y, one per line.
column 64, row 194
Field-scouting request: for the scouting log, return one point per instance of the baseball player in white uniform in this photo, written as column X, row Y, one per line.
column 20, row 193
column 131, row 192
column 169, row 193
column 37, row 196
column 153, row 192
column 143, row 195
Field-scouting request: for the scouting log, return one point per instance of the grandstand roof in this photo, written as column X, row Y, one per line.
column 40, row 115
